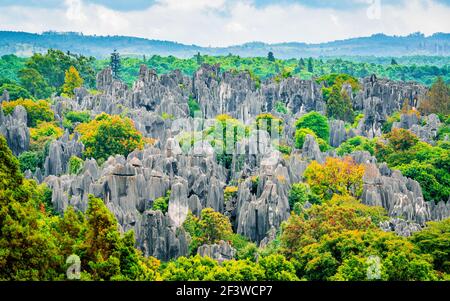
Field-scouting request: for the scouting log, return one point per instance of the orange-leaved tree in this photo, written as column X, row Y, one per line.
column 335, row 176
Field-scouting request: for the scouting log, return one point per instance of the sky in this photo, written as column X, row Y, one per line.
column 229, row 22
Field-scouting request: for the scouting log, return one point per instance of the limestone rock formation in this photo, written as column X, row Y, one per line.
column 221, row 251
column 59, row 153
column 14, row 128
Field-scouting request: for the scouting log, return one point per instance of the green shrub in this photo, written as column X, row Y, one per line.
column 162, row 203
column 315, row 122
column 30, row 160
column 299, row 194
column 36, row 110
column 193, row 106
column 108, row 135
column 357, row 143
column 75, row 165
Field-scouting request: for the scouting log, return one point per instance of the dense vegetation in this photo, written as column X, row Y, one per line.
column 33, row 74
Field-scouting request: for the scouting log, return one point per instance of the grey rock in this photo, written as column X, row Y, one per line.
column 337, row 132
column 157, row 237
column 14, row 128
column 400, row 227
column 221, row 251
column 60, row 152
column 311, row 150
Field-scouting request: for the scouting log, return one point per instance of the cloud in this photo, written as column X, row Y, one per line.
column 229, row 22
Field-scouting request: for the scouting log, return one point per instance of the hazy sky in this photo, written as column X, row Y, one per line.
column 227, row 22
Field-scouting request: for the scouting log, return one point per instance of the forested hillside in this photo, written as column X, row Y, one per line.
column 25, row 44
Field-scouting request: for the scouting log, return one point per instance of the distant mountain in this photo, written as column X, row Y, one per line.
column 25, row 44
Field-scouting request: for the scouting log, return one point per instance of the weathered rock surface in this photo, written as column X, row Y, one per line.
column 14, row 128
column 59, row 153
column 337, row 132
column 221, row 251
column 400, row 227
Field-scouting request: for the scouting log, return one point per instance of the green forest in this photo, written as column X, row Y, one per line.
column 43, row 74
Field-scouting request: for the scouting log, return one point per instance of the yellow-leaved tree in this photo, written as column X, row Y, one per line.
column 72, row 80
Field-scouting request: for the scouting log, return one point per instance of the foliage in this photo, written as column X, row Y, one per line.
column 36, row 110
column 387, row 126
column 30, row 160
column 335, row 176
column 358, row 143
column 229, row 192
column 333, row 241
column 434, row 239
column 280, row 107
column 193, row 106
column 283, row 148
column 401, row 139
column 72, row 80
column 75, row 165
column 75, row 117
column 34, row 83
column 53, row 66
column 277, row 268
column 28, row 249
column 339, row 105
column 315, row 122
column 210, row 228
column 418, row 160
column 342, row 213
column 15, row 91
column 162, row 203
column 269, row 123
column 300, row 136
column 44, row 133
column 299, row 194
column 108, row 135
column 115, row 63
column 437, row 99
column 245, row 249
column 345, row 256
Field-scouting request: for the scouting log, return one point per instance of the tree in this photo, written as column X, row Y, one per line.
column 37, row 111
column 210, row 228
column 15, row 91
column 434, row 239
column 277, row 268
column 108, row 135
column 310, row 65
column 72, row 80
column 334, row 240
column 43, row 134
column 335, row 176
column 54, row 64
column 339, row 105
column 315, row 122
column 301, row 64
column 437, row 99
column 401, row 139
column 269, row 123
column 162, row 203
column 115, row 64
column 28, row 247
column 394, row 62
column 299, row 194
column 35, row 83
column 270, row 56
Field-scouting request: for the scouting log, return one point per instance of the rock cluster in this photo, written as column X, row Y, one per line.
column 221, row 251
column 158, row 106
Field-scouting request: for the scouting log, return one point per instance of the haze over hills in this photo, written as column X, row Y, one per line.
column 25, row 44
